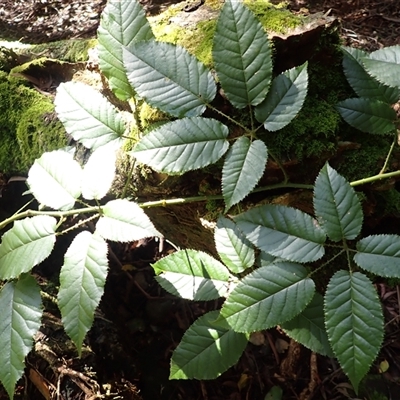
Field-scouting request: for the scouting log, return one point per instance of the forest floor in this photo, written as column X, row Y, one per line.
column 137, row 326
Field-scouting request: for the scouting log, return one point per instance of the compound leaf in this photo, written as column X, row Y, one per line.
column 208, row 338
column 26, row 244
column 283, row 232
column 308, row 327
column 368, row 115
column 243, row 167
column 124, row 221
column 88, row 116
column 362, row 83
column 192, row 275
column 21, row 312
column 169, row 77
column 235, row 251
column 242, row 55
column 384, row 65
column 337, row 206
column 268, row 296
column 122, row 23
column 284, row 100
column 354, row 322
column 55, row 180
column 379, row 254
column 183, row 145
column 82, row 279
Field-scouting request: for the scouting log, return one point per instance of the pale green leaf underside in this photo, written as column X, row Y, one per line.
column 384, row 65
column 55, row 180
column 88, row 116
column 21, row 313
column 122, row 23
column 206, row 340
column 242, row 55
column 235, row 251
column 268, row 296
column 26, row 244
column 183, row 145
column 169, row 77
column 362, row 83
column 337, row 206
column 82, row 279
column 243, row 167
column 192, row 275
column 308, row 327
column 367, row 115
column 283, row 232
column 125, row 221
column 379, row 254
column 354, row 322
column 284, row 100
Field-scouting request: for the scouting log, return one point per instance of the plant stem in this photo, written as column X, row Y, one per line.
column 388, row 155
column 227, row 117
column 375, row 178
column 285, row 175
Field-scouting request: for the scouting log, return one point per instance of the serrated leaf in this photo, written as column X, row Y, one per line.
column 308, row 327
column 354, row 322
column 169, row 77
column 235, row 251
column 362, row 83
column 368, row 115
column 26, row 244
column 242, row 55
column 384, row 65
column 192, row 275
column 183, row 145
column 283, row 232
column 243, row 168
column 207, row 339
column 98, row 173
column 284, row 100
column 122, row 23
column 379, row 254
column 21, row 312
column 82, row 279
column 337, row 206
column 88, row 116
column 124, row 221
column 55, row 180
column 268, row 296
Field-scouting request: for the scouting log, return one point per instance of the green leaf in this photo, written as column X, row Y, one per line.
column 88, row 116
column 169, row 77
column 337, row 206
column 308, row 327
column 275, row 393
column 268, row 296
column 362, row 83
column 354, row 322
column 122, row 23
column 192, row 275
column 384, row 65
column 243, row 167
column 26, row 244
column 379, row 254
column 82, row 279
column 124, row 221
column 367, row 115
column 235, row 251
column 55, row 180
column 283, row 232
column 98, row 173
column 242, row 55
column 21, row 312
column 183, row 145
column 207, row 339
column 284, row 100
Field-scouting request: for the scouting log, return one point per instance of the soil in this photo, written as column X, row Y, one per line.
column 138, row 325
